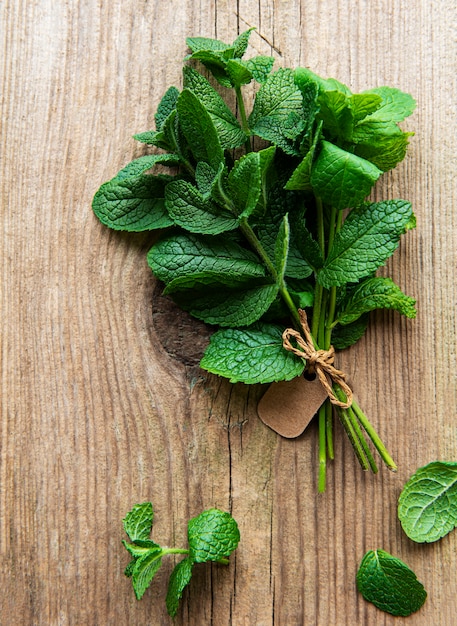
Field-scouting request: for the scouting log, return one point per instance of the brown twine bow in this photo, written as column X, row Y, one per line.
column 318, row 361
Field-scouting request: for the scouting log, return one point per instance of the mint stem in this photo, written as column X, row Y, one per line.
column 380, row 447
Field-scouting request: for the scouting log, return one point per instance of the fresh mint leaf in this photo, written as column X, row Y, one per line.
column 389, row 584
column 189, row 209
column 395, row 105
column 276, row 99
column 368, row 237
column 179, row 579
column 213, row 535
column 206, row 44
column 133, row 203
column 340, row 178
column 185, row 254
column 427, row 507
column 260, row 67
column 141, row 547
column 145, row 163
column 282, row 248
column 199, row 130
column 300, row 179
column 238, row 72
column 345, row 336
column 247, row 181
column 303, row 76
column 251, row 355
column 166, row 106
column 144, row 570
column 376, row 293
column 138, row 522
column 363, row 104
column 229, row 130
column 240, row 45
column 227, row 305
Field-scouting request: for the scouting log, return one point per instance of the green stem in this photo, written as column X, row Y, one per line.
column 174, row 551
column 329, row 429
column 380, row 447
column 244, row 120
column 358, row 431
column 322, row 449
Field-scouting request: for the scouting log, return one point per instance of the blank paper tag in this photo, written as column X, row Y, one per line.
column 288, row 406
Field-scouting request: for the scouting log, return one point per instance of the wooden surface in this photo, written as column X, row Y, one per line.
column 102, row 402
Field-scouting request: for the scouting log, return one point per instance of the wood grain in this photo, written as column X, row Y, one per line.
column 99, row 410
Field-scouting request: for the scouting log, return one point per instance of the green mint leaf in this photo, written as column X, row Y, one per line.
column 376, row 293
column 184, row 254
column 336, row 113
column 260, row 67
column 368, row 237
column 179, row 579
column 303, row 76
column 384, row 151
column 199, row 130
column 282, row 248
column 195, row 213
column 229, row 130
column 363, row 104
column 240, row 45
column 226, row 305
column 140, row 548
column 138, row 522
column 205, row 44
column 134, row 204
column 238, row 72
column 129, row 569
column 345, row 336
column 282, row 132
column 340, row 178
column 395, row 105
column 212, row 535
column 205, row 177
column 276, row 99
column 251, row 355
column 166, row 106
column 145, row 163
column 389, row 584
column 247, row 181
column 427, row 507
column 300, row 179
column 144, row 570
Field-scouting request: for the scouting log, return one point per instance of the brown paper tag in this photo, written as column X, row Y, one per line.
column 288, row 406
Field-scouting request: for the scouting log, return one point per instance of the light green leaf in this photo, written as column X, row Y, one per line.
column 340, row 178
column 276, row 98
column 179, row 579
column 230, row 133
column 195, row 213
column 300, row 179
column 376, row 293
column 427, row 507
column 251, row 355
column 212, row 535
column 240, row 44
column 395, row 105
column 303, row 76
column 260, row 67
column 368, row 237
column 238, row 72
column 363, row 104
column 198, row 44
column 141, row 547
column 134, row 204
column 144, row 570
column 199, row 130
column 384, row 151
column 184, row 254
column 389, row 584
column 138, row 522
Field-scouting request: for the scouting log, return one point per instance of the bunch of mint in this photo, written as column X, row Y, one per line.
column 264, row 213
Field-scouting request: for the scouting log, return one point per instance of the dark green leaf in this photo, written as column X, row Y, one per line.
column 179, row 579
column 198, row 44
column 389, row 584
column 260, row 67
column 345, row 336
column 427, row 507
column 276, row 98
column 144, row 571
column 282, row 248
column 138, row 522
column 190, row 210
column 199, row 130
column 185, row 254
column 251, row 355
column 230, row 133
column 368, row 237
column 166, row 106
column 384, row 151
column 340, row 178
column 376, row 293
column 238, row 72
column 246, row 181
column 212, row 535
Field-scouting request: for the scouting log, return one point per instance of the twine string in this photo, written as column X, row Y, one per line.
column 320, row 362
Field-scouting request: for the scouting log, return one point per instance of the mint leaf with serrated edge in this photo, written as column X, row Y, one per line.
column 389, row 584
column 251, row 355
column 368, row 237
column 138, row 522
column 179, row 579
column 376, row 293
column 212, row 536
column 427, row 507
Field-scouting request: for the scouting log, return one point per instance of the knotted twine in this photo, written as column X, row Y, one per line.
column 318, row 361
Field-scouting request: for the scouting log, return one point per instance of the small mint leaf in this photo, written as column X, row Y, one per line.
column 251, row 355
column 179, row 579
column 212, row 535
column 260, row 67
column 240, row 44
column 238, row 72
column 166, row 106
column 389, row 584
column 427, row 507
column 136, row 550
column 276, row 98
column 138, row 522
column 345, row 336
column 144, row 571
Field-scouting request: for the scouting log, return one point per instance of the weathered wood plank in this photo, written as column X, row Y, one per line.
column 102, row 404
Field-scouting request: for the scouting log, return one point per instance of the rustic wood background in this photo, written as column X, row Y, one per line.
column 102, row 402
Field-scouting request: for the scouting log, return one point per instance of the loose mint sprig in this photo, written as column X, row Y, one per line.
column 264, row 212
column 213, row 536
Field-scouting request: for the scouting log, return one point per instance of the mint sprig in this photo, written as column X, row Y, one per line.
column 252, row 235
column 213, row 536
